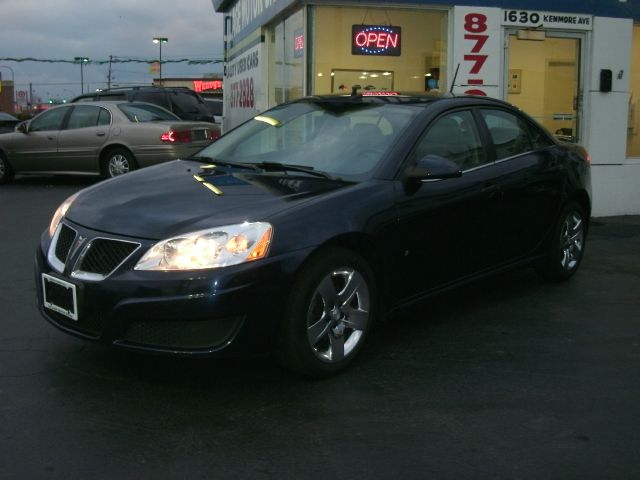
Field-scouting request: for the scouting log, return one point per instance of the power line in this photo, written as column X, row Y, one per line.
column 114, row 60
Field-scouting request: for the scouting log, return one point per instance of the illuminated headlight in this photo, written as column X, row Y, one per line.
column 60, row 213
column 216, row 247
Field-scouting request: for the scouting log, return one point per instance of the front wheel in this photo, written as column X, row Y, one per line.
column 330, row 313
column 118, row 161
column 567, row 245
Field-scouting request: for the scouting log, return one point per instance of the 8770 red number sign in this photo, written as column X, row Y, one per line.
column 475, row 27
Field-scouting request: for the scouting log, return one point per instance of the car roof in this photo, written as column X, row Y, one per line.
column 111, row 103
column 419, row 98
column 7, row 116
column 133, row 88
column 114, row 103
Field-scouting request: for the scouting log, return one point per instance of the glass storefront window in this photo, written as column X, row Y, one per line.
column 633, row 127
column 544, row 81
column 287, row 57
column 378, row 49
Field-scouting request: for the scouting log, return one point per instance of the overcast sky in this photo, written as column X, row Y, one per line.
column 64, row 29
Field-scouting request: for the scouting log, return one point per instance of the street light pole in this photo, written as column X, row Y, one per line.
column 160, row 41
column 81, row 61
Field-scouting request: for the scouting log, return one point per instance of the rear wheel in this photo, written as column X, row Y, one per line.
column 329, row 315
column 118, row 161
column 6, row 172
column 567, row 245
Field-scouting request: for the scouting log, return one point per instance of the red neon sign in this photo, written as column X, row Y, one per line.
column 202, row 85
column 375, row 40
column 380, row 94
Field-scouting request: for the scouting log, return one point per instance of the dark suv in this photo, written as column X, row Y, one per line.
column 182, row 101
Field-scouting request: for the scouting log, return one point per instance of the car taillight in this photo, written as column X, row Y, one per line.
column 173, row 136
column 585, row 155
column 214, row 134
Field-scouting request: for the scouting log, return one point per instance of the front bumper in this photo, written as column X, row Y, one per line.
column 228, row 311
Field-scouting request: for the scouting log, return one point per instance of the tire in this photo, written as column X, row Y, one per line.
column 330, row 313
column 567, row 245
column 6, row 172
column 118, row 161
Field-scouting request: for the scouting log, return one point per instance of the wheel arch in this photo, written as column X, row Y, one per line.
column 106, row 149
column 362, row 245
column 114, row 146
column 4, row 154
column 582, row 197
column 9, row 169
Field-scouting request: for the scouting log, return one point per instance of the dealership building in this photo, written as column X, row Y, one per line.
column 574, row 65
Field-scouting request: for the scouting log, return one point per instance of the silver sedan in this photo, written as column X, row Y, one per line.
column 100, row 138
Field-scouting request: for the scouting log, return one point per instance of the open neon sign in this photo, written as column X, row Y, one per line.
column 375, row 40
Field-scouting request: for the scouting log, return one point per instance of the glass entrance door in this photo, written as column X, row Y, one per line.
column 544, row 80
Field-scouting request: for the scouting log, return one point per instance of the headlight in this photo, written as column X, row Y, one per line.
column 60, row 212
column 216, row 247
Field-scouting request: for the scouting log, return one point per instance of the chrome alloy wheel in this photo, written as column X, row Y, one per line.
column 571, row 241
column 338, row 314
column 118, row 165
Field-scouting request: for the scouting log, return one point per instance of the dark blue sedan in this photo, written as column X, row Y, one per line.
column 297, row 230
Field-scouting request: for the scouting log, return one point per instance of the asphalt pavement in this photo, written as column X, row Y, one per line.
column 508, row 379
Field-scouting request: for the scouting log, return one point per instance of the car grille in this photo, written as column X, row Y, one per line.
column 182, row 334
column 102, row 256
column 98, row 258
column 65, row 240
column 90, row 325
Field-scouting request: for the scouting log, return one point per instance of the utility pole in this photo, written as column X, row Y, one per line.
column 81, row 61
column 109, row 77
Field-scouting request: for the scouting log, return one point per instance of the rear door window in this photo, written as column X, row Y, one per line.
column 510, row 134
column 84, row 116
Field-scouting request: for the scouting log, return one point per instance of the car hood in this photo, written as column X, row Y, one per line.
column 178, row 197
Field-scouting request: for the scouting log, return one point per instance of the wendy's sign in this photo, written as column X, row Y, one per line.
column 375, row 40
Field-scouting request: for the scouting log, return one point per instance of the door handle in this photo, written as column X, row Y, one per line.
column 51, row 138
column 100, row 134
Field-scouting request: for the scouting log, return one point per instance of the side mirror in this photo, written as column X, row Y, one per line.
column 433, row 167
column 23, row 127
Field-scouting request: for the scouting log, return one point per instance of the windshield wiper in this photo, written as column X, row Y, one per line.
column 227, row 163
column 294, row 168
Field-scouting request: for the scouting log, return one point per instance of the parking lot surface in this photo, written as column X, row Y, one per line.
column 510, row 378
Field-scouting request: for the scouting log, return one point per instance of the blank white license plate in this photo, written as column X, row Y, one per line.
column 60, row 296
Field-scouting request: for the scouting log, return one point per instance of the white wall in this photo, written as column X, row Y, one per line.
column 615, row 180
column 616, row 189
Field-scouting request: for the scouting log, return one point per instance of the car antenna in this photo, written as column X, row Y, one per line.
column 453, row 82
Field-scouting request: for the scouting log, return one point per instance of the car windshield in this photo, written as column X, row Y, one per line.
column 141, row 112
column 344, row 139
